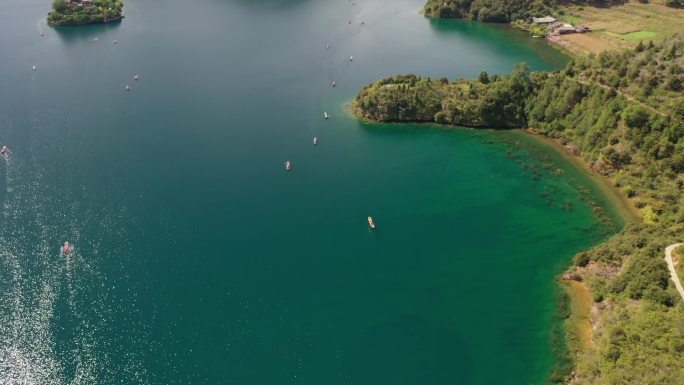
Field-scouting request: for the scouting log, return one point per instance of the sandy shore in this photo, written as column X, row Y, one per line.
column 622, row 206
column 579, row 325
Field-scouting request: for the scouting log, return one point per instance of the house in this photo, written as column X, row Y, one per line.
column 82, row 3
column 558, row 28
column 543, row 20
column 566, row 28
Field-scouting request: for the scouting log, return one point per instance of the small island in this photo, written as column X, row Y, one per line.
column 80, row 12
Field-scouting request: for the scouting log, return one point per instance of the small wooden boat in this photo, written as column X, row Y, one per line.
column 288, row 165
column 67, row 248
column 371, row 224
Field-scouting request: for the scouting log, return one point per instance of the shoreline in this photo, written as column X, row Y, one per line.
column 612, row 284
column 622, row 206
column 556, row 44
column 578, row 326
column 117, row 19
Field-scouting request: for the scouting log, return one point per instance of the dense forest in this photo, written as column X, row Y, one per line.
column 497, row 11
column 67, row 12
column 505, row 11
column 623, row 113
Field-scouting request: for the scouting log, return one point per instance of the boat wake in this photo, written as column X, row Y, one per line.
column 53, row 308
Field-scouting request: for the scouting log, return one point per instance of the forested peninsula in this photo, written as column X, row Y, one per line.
column 79, row 12
column 623, row 113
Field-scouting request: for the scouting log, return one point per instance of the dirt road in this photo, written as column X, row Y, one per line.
column 673, row 272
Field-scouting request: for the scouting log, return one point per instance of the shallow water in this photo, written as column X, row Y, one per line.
column 199, row 260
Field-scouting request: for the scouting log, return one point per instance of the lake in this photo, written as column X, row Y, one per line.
column 199, row 260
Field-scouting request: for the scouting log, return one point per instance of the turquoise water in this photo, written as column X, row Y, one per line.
column 200, row 260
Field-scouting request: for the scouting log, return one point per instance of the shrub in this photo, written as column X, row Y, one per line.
column 635, row 116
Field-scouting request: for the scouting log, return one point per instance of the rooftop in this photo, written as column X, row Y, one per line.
column 543, row 20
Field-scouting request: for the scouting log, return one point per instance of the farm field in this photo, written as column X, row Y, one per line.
column 621, row 26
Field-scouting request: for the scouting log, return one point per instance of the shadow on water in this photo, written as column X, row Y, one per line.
column 82, row 33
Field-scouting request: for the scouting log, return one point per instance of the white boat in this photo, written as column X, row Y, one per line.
column 315, row 141
column 288, row 165
column 325, row 115
column 115, row 42
column 4, row 150
column 34, row 68
column 136, row 77
column 96, row 39
column 371, row 224
column 327, row 46
column 351, row 58
column 128, row 88
column 334, row 83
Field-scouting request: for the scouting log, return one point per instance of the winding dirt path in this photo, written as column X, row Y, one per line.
column 673, row 272
column 619, row 92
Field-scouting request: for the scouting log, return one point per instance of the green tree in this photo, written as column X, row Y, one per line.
column 59, row 5
column 640, row 47
column 672, row 53
column 635, row 116
column 675, row 84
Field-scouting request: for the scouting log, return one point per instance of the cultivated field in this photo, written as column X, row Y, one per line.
column 621, row 26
